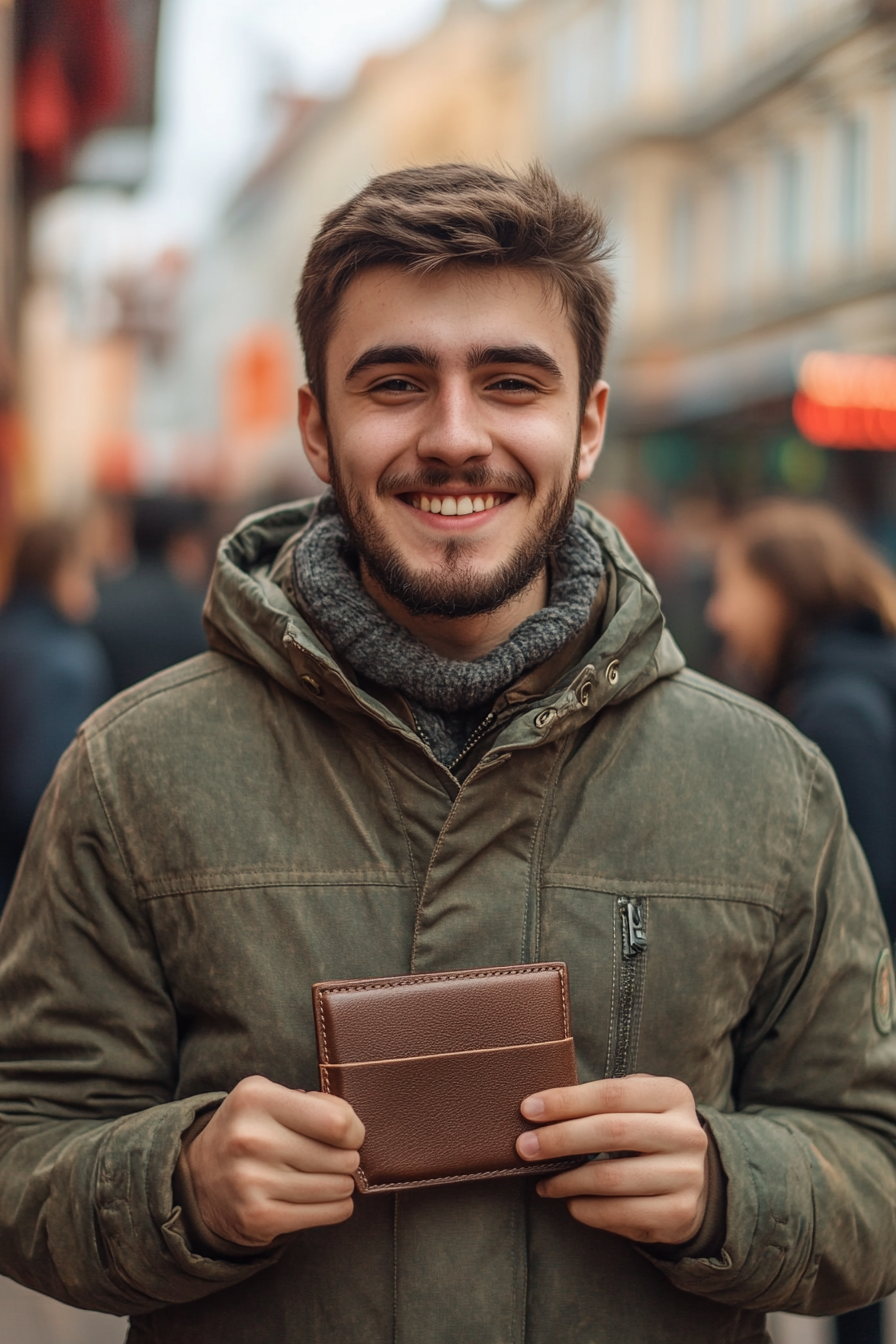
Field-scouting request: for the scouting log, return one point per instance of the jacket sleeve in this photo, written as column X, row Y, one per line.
column 90, row 1126
column 809, row 1155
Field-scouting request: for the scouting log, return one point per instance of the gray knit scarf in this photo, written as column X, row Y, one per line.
column 447, row 696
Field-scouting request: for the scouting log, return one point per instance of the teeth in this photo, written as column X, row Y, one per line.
column 451, row 506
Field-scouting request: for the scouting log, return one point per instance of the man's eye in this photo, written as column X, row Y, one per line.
column 511, row 385
column 396, row 385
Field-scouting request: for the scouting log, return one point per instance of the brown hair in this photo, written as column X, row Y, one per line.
column 817, row 561
column 43, row 549
column 423, row 219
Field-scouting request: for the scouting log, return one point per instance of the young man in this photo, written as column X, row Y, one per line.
column 443, row 727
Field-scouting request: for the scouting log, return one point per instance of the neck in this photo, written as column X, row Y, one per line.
column 467, row 637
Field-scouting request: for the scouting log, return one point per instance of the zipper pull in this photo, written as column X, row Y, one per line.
column 634, row 937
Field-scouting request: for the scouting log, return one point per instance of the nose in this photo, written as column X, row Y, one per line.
column 455, row 431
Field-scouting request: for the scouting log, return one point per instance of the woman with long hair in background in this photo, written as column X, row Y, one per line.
column 807, row 612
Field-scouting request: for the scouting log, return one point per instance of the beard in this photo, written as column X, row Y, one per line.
column 455, row 588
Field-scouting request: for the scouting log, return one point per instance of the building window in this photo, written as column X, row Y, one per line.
column 683, row 249
column 624, row 46
column 791, row 212
column 853, row 184
column 737, row 23
column 592, row 65
column 690, row 39
column 740, row 232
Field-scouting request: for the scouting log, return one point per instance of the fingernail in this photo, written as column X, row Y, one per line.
column 532, row 1108
column 527, row 1145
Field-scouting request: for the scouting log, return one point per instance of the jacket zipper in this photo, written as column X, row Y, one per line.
column 631, row 978
column 478, row 735
column 471, row 742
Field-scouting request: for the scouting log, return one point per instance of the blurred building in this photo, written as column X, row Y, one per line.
column 745, row 151
column 84, row 109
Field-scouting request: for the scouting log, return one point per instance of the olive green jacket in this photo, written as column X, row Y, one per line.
column 230, row 831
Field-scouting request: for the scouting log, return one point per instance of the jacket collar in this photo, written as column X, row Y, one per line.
column 249, row 616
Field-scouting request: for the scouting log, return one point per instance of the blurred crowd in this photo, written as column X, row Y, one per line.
column 96, row 603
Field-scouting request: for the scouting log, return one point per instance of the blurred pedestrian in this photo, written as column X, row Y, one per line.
column 151, row 616
column 53, row 674
column 807, row 611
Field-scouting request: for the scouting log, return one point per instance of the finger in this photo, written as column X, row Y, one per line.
column 285, row 1150
column 316, row 1115
column 671, row 1219
column 294, row 1187
column 616, row 1133
column 625, row 1177
column 639, row 1092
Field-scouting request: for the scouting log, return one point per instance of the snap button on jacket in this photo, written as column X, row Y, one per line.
column 255, row 820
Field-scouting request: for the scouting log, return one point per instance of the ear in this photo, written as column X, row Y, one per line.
column 314, row 433
column 594, row 422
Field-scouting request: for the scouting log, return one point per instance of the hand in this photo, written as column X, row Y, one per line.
column 657, row 1192
column 274, row 1160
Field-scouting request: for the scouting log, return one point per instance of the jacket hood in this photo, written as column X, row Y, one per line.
column 248, row 616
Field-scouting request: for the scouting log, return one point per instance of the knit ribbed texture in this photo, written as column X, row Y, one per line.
column 448, row 696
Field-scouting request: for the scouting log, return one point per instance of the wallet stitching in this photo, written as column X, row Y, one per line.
column 445, row 1054
column 394, row 983
column 435, row 979
column 470, row 1175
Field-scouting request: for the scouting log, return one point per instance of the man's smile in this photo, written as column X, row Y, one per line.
column 454, row 504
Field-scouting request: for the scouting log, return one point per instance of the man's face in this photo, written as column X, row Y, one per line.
column 454, row 438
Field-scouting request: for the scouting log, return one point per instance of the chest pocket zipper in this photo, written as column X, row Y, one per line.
column 632, row 943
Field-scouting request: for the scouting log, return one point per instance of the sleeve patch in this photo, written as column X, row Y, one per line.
column 882, row 993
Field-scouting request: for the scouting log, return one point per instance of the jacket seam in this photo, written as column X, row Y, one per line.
column 432, row 858
column 211, row 889
column 805, row 817
column 404, row 830
column 113, row 830
column 93, row 729
column 716, row 691
column 717, row 893
column 535, row 861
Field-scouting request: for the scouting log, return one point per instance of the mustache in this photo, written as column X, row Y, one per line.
column 478, row 478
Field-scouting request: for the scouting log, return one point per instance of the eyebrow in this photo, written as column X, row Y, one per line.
column 478, row 357
column 393, row 354
column 513, row 354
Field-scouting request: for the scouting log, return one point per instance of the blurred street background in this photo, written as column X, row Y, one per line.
column 165, row 163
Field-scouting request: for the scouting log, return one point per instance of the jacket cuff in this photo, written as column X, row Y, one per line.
column 709, row 1241
column 143, row 1232
column 199, row 1236
column 769, row 1203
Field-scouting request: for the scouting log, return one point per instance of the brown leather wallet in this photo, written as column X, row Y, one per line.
column 436, row 1067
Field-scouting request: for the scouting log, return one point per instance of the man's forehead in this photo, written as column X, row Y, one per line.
column 457, row 307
